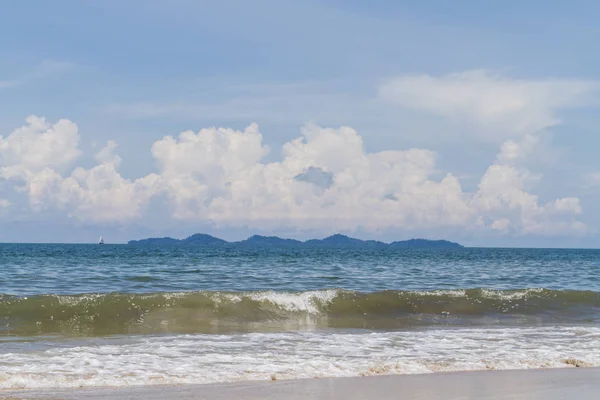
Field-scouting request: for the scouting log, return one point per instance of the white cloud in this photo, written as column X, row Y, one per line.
column 5, row 203
column 195, row 168
column 219, row 175
column 499, row 107
column 98, row 194
column 501, row 196
column 513, row 151
column 210, row 176
column 37, row 146
column 229, row 184
column 516, row 113
column 37, row 153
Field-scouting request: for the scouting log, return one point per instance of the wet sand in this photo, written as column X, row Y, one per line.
column 546, row 384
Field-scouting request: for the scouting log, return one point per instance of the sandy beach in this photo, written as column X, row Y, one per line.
column 546, row 384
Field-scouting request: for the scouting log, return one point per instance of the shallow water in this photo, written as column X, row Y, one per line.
column 88, row 315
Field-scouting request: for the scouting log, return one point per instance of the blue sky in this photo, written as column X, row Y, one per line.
column 503, row 96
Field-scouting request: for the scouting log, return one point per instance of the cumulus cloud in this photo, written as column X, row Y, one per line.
column 516, row 113
column 197, row 168
column 97, row 194
column 5, row 203
column 502, row 198
column 325, row 180
column 500, row 107
column 229, row 184
column 512, row 151
column 37, row 154
column 36, row 146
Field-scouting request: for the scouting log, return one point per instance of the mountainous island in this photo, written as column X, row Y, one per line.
column 334, row 241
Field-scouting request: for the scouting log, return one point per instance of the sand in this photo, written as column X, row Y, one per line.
column 546, row 384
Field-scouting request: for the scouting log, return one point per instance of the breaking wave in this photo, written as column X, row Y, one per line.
column 215, row 312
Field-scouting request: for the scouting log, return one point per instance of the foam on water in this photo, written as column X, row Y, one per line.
column 298, row 302
column 510, row 295
column 149, row 360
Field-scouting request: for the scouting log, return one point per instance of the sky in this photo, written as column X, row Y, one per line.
column 469, row 121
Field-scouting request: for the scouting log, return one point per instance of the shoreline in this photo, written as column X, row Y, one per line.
column 547, row 384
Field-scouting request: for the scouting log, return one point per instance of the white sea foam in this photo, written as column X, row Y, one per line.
column 446, row 293
column 289, row 301
column 303, row 301
column 506, row 295
column 148, row 360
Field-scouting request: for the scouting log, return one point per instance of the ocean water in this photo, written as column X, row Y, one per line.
column 119, row 315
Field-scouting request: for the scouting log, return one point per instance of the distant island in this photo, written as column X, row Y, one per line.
column 335, row 241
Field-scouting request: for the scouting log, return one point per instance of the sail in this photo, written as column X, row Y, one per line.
column 101, row 241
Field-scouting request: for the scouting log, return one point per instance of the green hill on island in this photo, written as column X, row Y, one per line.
column 334, row 241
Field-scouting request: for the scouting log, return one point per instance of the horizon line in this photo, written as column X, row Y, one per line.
column 463, row 246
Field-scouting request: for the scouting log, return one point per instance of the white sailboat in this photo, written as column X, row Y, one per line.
column 101, row 241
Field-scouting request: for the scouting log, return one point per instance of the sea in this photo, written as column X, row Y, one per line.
column 122, row 315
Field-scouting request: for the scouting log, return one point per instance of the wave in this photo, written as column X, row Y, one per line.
column 201, row 359
column 214, row 312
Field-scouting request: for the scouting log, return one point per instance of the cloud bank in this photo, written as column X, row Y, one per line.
column 324, row 180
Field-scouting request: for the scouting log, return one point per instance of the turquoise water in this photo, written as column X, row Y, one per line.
column 90, row 315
